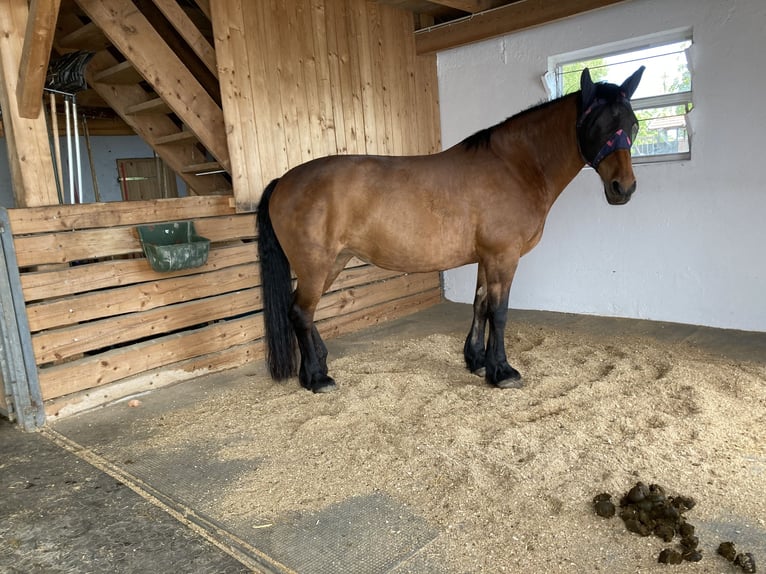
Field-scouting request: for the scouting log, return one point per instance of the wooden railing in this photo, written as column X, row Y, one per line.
column 103, row 324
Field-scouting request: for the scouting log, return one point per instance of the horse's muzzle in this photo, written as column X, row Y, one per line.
column 617, row 193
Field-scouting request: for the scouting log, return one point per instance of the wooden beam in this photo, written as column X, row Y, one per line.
column 29, row 151
column 472, row 6
column 184, row 26
column 511, row 18
column 38, row 40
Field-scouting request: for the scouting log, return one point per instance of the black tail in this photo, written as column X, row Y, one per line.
column 276, row 284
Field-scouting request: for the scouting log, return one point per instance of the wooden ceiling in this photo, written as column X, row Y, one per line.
column 444, row 24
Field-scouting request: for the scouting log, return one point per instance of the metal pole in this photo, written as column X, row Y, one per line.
column 69, row 150
column 78, row 160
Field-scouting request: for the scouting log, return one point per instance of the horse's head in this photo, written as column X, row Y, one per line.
column 606, row 129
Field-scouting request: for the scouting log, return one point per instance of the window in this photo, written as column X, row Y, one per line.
column 663, row 99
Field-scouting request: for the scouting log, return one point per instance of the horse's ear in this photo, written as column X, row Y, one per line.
column 587, row 87
column 629, row 86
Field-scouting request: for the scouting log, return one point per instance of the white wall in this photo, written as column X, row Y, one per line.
column 690, row 247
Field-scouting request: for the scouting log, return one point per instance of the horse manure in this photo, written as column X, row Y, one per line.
column 727, row 550
column 665, row 531
column 670, row 556
column 647, row 510
column 603, row 505
column 746, row 562
column 690, row 542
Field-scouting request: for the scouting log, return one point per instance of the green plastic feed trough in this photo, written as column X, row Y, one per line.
column 173, row 246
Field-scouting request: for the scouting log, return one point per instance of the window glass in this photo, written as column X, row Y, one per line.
column 661, row 102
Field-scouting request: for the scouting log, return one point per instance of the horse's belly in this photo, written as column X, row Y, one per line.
column 414, row 250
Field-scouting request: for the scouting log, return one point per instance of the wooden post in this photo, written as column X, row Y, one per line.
column 29, row 151
column 38, row 40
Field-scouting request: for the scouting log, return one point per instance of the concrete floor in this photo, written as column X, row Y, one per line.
column 66, row 508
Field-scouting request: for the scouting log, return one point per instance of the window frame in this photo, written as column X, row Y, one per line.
column 686, row 98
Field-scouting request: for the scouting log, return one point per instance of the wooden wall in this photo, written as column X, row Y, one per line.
column 104, row 324
column 302, row 79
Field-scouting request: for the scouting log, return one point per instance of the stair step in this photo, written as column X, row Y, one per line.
column 184, row 136
column 122, row 73
column 89, row 37
column 202, row 168
column 155, row 106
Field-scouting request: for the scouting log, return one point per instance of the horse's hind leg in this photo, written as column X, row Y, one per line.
column 474, row 348
column 313, row 370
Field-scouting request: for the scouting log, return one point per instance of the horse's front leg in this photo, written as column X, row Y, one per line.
column 474, row 349
column 498, row 372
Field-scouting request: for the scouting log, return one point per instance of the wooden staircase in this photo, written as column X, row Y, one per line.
column 150, row 78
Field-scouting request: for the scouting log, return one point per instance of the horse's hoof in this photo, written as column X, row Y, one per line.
column 324, row 385
column 515, row 382
column 480, row 372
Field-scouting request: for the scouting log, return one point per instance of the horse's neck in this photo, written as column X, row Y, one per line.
column 548, row 138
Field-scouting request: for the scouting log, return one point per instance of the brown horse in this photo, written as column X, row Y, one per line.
column 484, row 200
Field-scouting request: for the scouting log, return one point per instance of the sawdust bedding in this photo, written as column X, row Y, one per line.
column 506, row 476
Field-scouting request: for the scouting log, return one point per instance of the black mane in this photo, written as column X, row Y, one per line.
column 482, row 138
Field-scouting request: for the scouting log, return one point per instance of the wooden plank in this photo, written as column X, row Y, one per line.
column 58, row 282
column 122, row 73
column 171, row 374
column 204, row 168
column 341, row 302
column 513, row 17
column 360, row 32
column 352, row 81
column 162, row 68
column 314, row 137
column 381, row 91
column 95, row 215
column 149, row 107
column 427, row 102
column 334, row 63
column 393, row 65
column 38, row 41
column 189, row 32
column 96, row 243
column 159, row 290
column 282, row 17
column 183, row 136
column 472, row 6
column 140, row 297
column 110, row 366
column 233, row 63
column 266, row 91
column 86, row 37
column 68, row 342
column 371, row 316
column 29, row 154
column 324, row 89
